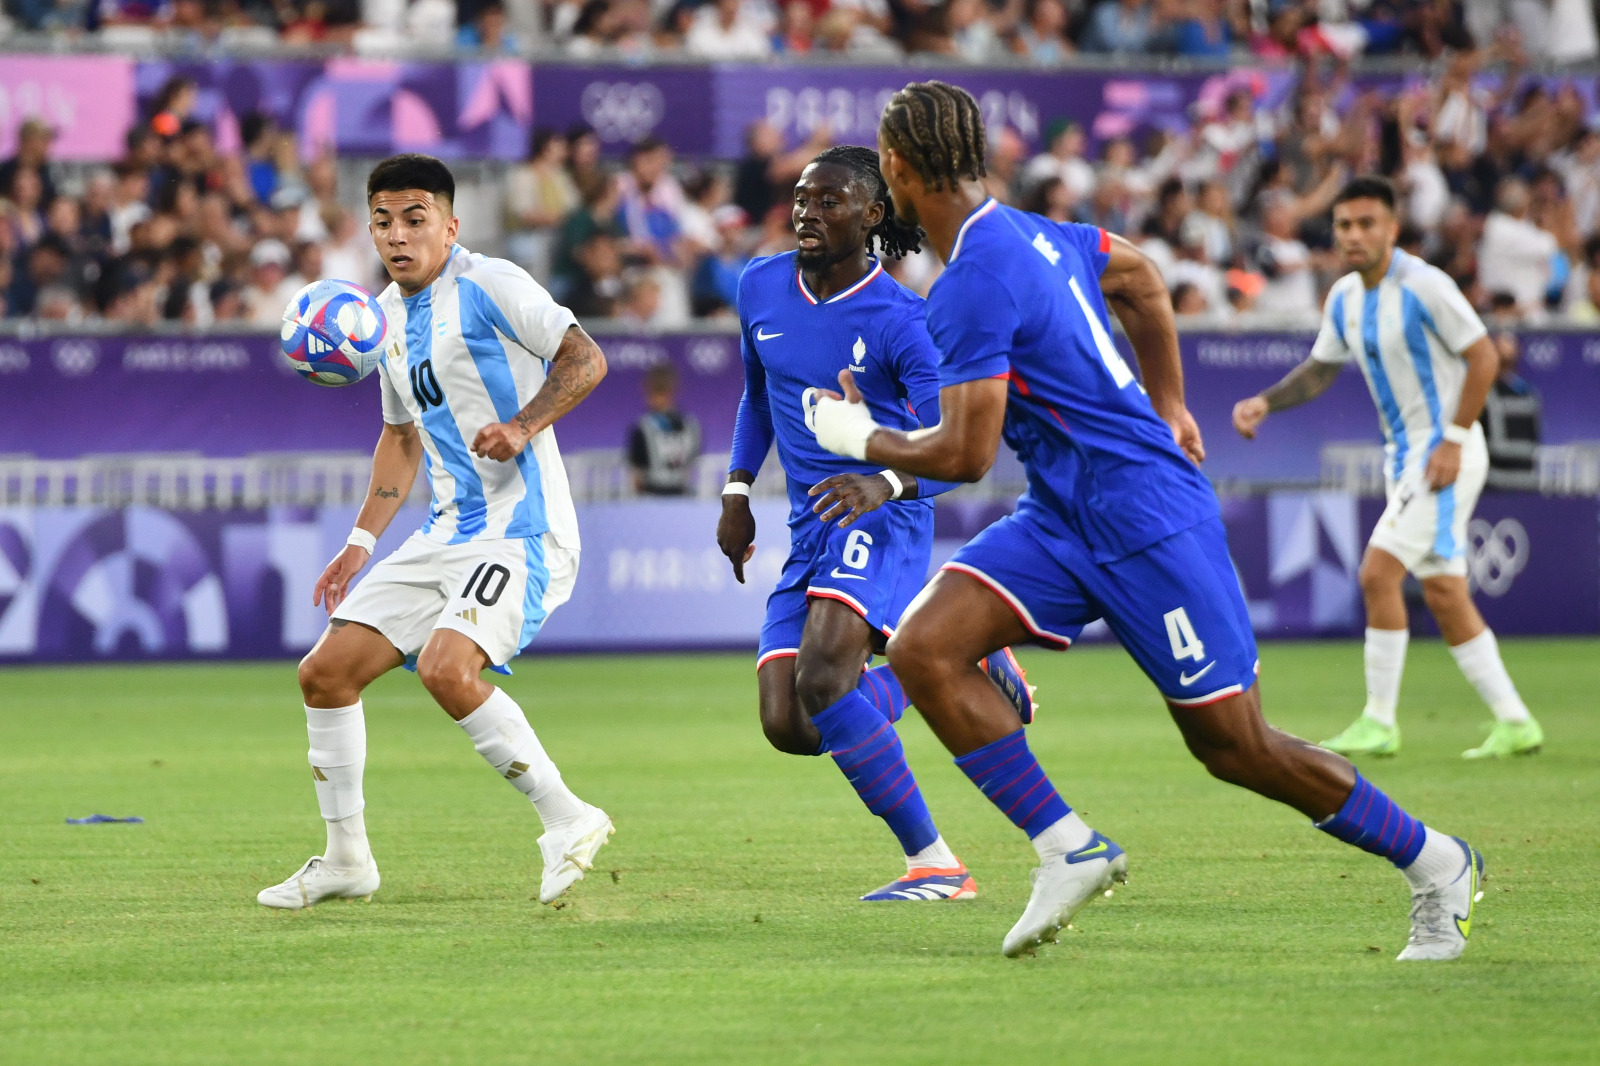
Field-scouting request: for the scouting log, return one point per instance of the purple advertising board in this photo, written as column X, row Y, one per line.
column 486, row 109
column 83, row 584
column 88, row 100
column 235, row 395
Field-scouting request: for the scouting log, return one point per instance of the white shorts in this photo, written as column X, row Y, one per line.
column 498, row 592
column 1427, row 530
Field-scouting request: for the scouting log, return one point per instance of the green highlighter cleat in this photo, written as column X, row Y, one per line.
column 1508, row 738
column 1366, row 736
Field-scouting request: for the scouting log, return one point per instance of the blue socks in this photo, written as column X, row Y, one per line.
column 1373, row 822
column 882, row 690
column 1011, row 777
column 869, row 753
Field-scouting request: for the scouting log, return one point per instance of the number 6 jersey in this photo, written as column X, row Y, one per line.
column 468, row 351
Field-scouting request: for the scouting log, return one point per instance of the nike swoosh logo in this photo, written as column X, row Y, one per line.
column 760, row 336
column 1185, row 679
column 1089, row 853
column 851, row 577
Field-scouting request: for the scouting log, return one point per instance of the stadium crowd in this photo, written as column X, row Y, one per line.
column 1500, row 189
column 1044, row 32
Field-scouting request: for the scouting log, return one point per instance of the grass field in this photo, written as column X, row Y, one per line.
column 721, row 925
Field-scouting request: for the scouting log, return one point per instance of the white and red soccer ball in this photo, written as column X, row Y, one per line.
column 333, row 332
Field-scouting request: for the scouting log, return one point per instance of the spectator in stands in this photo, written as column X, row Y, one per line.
column 665, row 443
column 583, row 156
column 27, row 215
column 1125, row 26
column 726, row 30
column 650, row 201
column 1583, row 300
column 1511, row 422
column 1050, row 199
column 796, row 26
column 1515, row 255
column 596, row 290
column 1192, row 263
column 1290, row 288
column 1064, row 160
column 539, row 193
column 1042, row 37
column 34, row 138
column 1187, row 299
column 1104, row 206
column 1202, row 31
column 596, row 215
column 489, row 31
column 271, row 283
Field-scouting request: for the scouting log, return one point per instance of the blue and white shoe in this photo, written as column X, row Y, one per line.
column 1061, row 888
column 1008, row 676
column 926, row 884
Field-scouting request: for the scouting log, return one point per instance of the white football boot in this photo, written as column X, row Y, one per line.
column 316, row 881
column 569, row 853
column 1441, row 915
column 1061, row 888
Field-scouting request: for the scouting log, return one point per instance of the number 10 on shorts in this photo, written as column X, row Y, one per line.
column 1181, row 635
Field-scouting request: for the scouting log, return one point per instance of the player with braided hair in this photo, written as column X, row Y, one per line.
column 860, row 536
column 1117, row 523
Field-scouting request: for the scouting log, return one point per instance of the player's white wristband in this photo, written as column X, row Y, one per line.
column 894, row 483
column 1457, row 434
column 843, row 427
column 362, row 539
column 736, row 488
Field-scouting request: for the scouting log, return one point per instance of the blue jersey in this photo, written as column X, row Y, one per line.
column 794, row 344
column 1020, row 299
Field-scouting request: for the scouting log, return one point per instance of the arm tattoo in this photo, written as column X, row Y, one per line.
column 575, row 370
column 1305, row 382
column 387, row 494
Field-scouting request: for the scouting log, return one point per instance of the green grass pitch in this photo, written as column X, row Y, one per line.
column 722, row 926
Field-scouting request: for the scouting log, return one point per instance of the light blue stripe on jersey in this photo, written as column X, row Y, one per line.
column 441, row 424
column 533, row 612
column 1415, row 316
column 1336, row 315
column 1444, row 538
column 1380, row 380
column 427, row 466
column 480, row 317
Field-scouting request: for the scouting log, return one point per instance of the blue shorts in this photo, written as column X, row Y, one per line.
column 1176, row 606
column 875, row 566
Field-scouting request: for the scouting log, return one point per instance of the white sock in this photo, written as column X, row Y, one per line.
column 502, row 735
column 936, row 856
column 1440, row 860
column 1479, row 659
column 1386, row 661
column 338, row 756
column 1067, row 834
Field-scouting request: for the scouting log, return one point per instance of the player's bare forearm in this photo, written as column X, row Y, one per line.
column 1136, row 293
column 577, row 367
column 1305, row 382
column 961, row 447
column 394, row 468
column 1483, row 365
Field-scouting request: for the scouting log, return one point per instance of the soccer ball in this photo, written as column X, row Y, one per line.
column 333, row 333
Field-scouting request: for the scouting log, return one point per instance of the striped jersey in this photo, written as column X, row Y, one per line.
column 468, row 351
column 1407, row 335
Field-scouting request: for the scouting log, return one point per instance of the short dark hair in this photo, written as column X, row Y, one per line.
column 412, row 171
column 1367, row 187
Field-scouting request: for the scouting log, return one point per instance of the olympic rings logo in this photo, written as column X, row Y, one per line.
column 1496, row 554
column 622, row 111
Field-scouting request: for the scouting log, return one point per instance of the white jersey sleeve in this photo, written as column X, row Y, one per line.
column 1450, row 316
column 394, row 408
column 1330, row 345
column 536, row 321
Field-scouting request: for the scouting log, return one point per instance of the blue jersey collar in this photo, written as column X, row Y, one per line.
column 977, row 213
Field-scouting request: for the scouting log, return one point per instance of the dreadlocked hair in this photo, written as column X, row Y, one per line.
column 939, row 130
column 893, row 237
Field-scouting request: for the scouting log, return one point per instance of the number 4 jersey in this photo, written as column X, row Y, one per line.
column 469, row 351
column 1020, row 299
